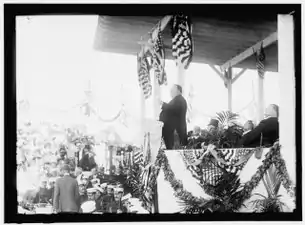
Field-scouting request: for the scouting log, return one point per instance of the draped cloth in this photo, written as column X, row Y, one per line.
column 223, row 160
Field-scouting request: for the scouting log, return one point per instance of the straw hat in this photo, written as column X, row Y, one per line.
column 103, row 185
column 91, row 190
column 88, row 207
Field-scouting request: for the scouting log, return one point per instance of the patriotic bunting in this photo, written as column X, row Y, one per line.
column 260, row 62
column 182, row 44
column 158, row 58
column 139, row 157
column 144, row 76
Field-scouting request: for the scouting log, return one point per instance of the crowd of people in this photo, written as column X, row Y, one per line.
column 78, row 185
column 262, row 135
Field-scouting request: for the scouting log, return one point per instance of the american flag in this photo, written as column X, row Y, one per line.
column 182, row 44
column 139, row 157
column 144, row 76
column 260, row 62
column 158, row 58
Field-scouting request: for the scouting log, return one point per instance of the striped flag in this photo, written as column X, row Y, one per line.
column 158, row 58
column 144, row 76
column 182, row 44
column 260, row 62
column 139, row 157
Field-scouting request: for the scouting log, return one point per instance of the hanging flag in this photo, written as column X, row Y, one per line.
column 260, row 62
column 144, row 76
column 158, row 58
column 139, row 157
column 182, row 44
column 226, row 76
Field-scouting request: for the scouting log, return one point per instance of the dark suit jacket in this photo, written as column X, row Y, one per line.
column 87, row 163
column 269, row 128
column 66, row 195
column 173, row 115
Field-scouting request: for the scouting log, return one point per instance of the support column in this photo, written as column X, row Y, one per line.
column 157, row 98
column 229, row 86
column 260, row 98
column 287, row 93
column 181, row 77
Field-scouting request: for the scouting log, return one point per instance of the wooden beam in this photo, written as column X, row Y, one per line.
column 248, row 52
column 220, row 74
column 238, row 75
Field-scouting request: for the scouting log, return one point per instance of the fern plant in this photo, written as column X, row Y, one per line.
column 271, row 202
column 229, row 131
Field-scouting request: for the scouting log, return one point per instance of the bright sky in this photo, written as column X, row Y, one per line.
column 56, row 60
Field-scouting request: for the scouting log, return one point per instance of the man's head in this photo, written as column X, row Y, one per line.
column 176, row 90
column 272, row 111
column 213, row 125
column 44, row 183
column 196, row 130
column 66, row 169
column 248, row 125
column 91, row 193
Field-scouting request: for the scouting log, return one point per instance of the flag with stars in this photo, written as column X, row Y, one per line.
column 158, row 58
column 260, row 62
column 182, row 43
column 144, row 76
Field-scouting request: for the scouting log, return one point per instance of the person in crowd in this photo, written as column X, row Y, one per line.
column 91, row 198
column 173, row 115
column 66, row 193
column 87, row 163
column 42, row 195
column 91, row 194
column 116, row 205
column 51, row 189
column 98, row 198
column 62, row 155
column 266, row 132
column 248, row 126
column 213, row 126
column 29, row 196
column 82, row 193
column 108, row 199
column 196, row 139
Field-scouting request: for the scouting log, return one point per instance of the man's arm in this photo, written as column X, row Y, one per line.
column 253, row 135
column 56, row 196
column 173, row 107
column 76, row 193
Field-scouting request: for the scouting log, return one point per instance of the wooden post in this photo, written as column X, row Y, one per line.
column 181, row 76
column 260, row 102
column 229, row 86
column 287, row 93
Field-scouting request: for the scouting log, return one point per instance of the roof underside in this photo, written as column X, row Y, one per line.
column 216, row 40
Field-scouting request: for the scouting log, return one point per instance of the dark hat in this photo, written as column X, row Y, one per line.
column 213, row 122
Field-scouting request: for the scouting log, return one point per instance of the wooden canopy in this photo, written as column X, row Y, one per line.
column 216, row 39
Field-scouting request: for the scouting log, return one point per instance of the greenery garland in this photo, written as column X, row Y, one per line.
column 200, row 205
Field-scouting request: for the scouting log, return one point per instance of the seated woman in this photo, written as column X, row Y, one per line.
column 87, row 163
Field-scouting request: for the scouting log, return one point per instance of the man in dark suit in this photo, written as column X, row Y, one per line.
column 173, row 115
column 66, row 193
column 267, row 131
